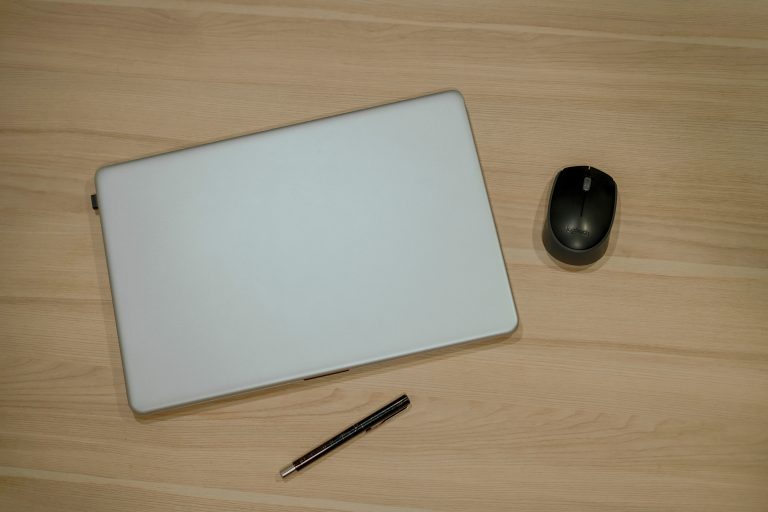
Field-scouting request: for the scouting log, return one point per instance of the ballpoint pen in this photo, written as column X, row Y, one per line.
column 367, row 423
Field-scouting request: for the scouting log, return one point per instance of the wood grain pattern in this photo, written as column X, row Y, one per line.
column 640, row 383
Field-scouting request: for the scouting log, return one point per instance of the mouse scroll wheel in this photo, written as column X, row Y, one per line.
column 587, row 183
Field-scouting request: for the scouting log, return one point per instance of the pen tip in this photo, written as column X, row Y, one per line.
column 287, row 470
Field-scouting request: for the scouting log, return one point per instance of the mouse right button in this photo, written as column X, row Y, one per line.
column 599, row 207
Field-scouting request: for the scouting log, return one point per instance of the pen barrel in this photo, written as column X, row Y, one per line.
column 367, row 423
column 324, row 448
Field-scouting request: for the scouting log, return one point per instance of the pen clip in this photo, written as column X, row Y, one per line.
column 387, row 418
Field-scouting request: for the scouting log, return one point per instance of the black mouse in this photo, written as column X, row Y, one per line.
column 580, row 215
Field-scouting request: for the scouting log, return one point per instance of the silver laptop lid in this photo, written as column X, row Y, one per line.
column 301, row 251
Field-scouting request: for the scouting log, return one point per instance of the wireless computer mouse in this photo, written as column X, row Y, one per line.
column 580, row 215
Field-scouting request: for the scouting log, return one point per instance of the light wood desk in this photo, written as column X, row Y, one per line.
column 640, row 383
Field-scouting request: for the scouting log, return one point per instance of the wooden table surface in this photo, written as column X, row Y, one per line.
column 640, row 383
